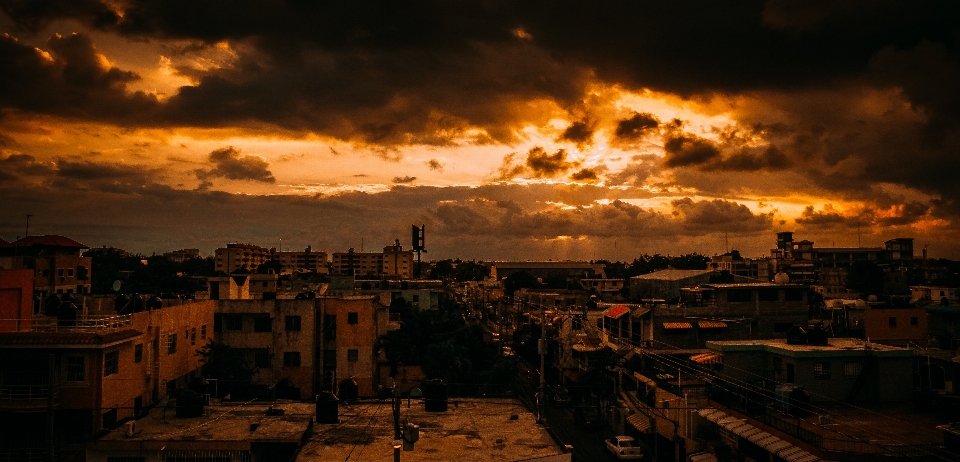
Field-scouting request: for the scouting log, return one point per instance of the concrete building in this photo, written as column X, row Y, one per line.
column 896, row 326
column 16, row 300
column 307, row 261
column 392, row 263
column 65, row 379
column 771, row 309
column 839, row 369
column 283, row 340
column 58, row 263
column 182, row 255
column 246, row 257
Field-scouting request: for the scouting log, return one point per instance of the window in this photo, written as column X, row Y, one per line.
column 233, row 322
column 76, row 369
column 914, row 321
column 768, row 295
column 60, row 272
column 892, row 321
column 111, row 363
column 821, row 370
column 261, row 358
column 790, row 373
column 46, row 273
column 353, row 317
column 353, row 355
column 851, row 370
column 171, row 344
column 292, row 322
column 291, row 359
column 262, row 324
column 739, row 295
column 217, row 322
column 415, row 298
column 782, row 326
column 138, row 353
column 193, row 336
column 70, row 272
column 203, row 332
column 793, row 295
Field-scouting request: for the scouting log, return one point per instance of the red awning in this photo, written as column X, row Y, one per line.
column 706, row 358
column 616, row 311
column 711, row 324
column 677, row 325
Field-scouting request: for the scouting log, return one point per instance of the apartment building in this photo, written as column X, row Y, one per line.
column 301, row 347
column 247, row 257
column 392, row 263
column 64, row 379
column 58, row 263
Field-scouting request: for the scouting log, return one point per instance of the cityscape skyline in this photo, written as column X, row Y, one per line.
column 509, row 130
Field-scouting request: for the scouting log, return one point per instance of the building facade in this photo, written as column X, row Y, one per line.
column 58, row 263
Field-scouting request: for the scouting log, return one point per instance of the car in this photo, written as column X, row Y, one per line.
column 625, row 448
column 508, row 351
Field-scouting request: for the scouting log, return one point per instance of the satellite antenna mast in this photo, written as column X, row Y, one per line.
column 27, row 231
column 418, row 244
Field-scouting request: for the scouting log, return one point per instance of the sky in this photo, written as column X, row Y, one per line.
column 508, row 129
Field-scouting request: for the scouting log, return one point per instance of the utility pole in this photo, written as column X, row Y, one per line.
column 27, row 231
column 397, row 443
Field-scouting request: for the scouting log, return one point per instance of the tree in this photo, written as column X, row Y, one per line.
column 519, row 280
column 227, row 365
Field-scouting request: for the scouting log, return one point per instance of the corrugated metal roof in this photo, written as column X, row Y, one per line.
column 639, row 421
column 677, row 325
column 617, row 311
column 711, row 324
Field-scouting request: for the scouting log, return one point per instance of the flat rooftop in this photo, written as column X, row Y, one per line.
column 835, row 346
column 472, row 429
column 221, row 423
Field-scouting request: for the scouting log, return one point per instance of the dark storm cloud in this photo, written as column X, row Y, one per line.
column 229, row 164
column 435, row 165
column 641, row 168
column 404, row 179
column 719, row 215
column 580, row 132
column 584, row 174
column 636, row 126
column 546, row 165
column 683, row 150
column 826, row 218
column 70, row 80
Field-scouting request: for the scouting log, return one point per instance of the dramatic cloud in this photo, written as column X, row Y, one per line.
column 634, row 120
column 230, row 165
column 636, row 126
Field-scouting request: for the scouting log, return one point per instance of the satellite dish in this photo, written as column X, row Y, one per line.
column 781, row 278
column 116, row 285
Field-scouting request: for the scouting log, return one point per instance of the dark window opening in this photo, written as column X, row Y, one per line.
column 292, row 322
column 262, row 324
column 353, row 318
column 111, row 363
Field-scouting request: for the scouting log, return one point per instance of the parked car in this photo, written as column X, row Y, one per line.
column 625, row 448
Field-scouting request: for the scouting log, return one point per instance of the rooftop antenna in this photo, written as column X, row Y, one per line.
column 726, row 243
column 27, row 231
column 858, row 234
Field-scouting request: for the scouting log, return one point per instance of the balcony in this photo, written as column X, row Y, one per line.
column 90, row 324
column 26, row 390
